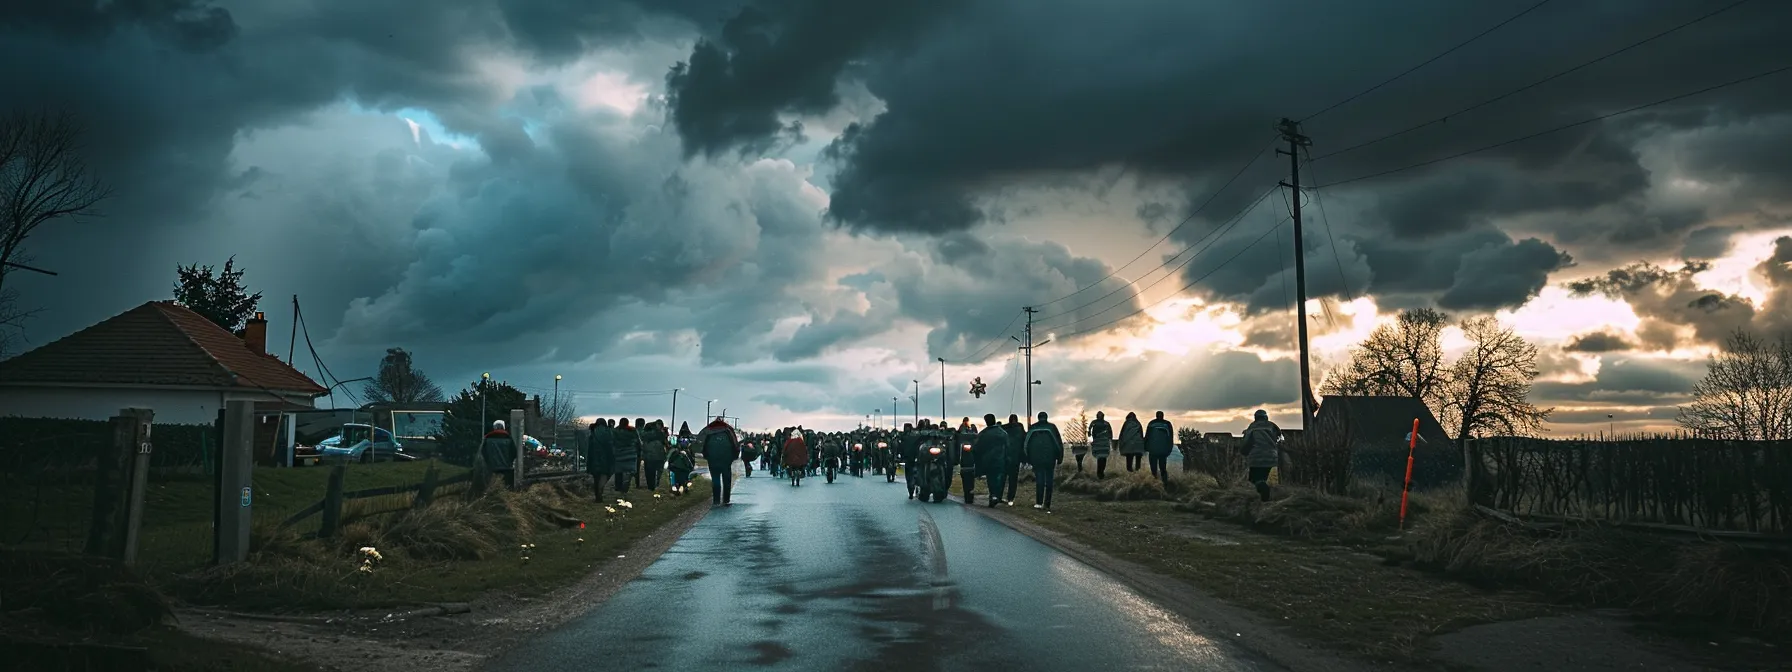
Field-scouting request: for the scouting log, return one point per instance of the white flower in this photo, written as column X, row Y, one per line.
column 609, row 509
column 628, row 505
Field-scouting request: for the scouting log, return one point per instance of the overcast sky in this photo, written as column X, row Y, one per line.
column 795, row 206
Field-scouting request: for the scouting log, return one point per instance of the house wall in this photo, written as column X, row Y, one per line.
column 172, row 406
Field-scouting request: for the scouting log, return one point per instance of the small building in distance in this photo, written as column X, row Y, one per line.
column 1378, row 427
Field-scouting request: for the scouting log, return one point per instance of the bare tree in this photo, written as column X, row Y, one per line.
column 1746, row 393
column 43, row 178
column 400, row 382
column 1403, row 359
column 1488, row 388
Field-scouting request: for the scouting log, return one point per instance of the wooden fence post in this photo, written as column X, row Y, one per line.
column 427, row 491
column 139, row 421
column 517, row 429
column 106, row 525
column 332, row 513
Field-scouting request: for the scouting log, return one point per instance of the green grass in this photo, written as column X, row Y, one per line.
column 177, row 513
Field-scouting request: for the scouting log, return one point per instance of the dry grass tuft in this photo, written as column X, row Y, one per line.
column 447, row 530
column 1606, row 566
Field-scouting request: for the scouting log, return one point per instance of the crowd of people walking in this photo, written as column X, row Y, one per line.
column 642, row 454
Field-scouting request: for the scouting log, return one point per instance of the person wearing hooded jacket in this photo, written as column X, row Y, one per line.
column 1016, row 454
column 749, row 453
column 654, row 444
column 908, row 449
column 626, row 440
column 1262, row 451
column 499, row 452
column 720, row 449
column 1101, row 443
column 600, row 457
column 1160, row 441
column 1132, row 441
column 990, row 453
column 795, row 452
column 1045, row 450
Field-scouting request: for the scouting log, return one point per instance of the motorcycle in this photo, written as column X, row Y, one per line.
column 833, row 464
column 933, row 481
column 858, row 460
column 967, row 471
column 883, row 450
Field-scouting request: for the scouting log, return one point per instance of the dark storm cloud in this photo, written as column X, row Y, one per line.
column 1491, row 278
column 1669, row 299
column 1598, row 342
column 973, row 293
column 1187, row 91
column 783, row 56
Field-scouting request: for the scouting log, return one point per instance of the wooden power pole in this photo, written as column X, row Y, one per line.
column 1291, row 132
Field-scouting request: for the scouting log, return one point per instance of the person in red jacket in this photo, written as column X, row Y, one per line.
column 796, row 453
column 720, row 448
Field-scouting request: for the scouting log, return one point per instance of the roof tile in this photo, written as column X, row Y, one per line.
column 157, row 343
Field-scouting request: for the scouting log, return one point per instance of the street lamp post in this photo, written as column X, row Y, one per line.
column 706, row 416
column 675, row 392
column 892, row 412
column 916, row 397
column 943, row 417
column 554, row 415
column 484, row 380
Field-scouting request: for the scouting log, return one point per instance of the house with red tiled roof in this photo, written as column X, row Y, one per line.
column 161, row 356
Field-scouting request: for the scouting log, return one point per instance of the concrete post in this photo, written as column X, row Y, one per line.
column 517, row 429
column 292, row 437
column 140, row 420
column 236, row 462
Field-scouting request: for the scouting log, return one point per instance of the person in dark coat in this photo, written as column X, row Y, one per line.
column 720, row 449
column 1016, row 454
column 750, row 453
column 654, row 444
column 600, row 457
column 641, row 465
column 1101, row 443
column 626, row 443
column 499, row 451
column 1045, row 450
column 1132, row 441
column 1160, row 441
column 991, row 455
column 680, row 464
column 908, row 449
column 1262, row 451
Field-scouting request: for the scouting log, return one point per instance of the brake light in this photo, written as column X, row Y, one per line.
column 934, row 450
column 858, row 446
column 966, row 447
column 881, row 444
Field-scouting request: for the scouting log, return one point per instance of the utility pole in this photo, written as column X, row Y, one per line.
column 916, row 397
column 675, row 407
column 943, row 417
column 1291, row 132
column 1026, row 347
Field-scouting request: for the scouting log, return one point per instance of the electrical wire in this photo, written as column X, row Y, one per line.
column 980, row 354
column 1185, row 220
column 1011, row 389
column 1319, row 200
column 329, row 377
column 1187, row 287
column 1214, row 235
column 1428, row 61
column 1446, row 117
column 1563, row 127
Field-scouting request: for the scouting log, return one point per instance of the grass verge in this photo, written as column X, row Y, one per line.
column 522, row 543
column 1339, row 595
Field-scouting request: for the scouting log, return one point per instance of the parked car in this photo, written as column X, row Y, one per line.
column 305, row 456
column 353, row 444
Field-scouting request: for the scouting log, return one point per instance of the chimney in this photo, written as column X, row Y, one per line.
column 255, row 334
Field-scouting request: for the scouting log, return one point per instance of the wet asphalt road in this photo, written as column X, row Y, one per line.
column 855, row 576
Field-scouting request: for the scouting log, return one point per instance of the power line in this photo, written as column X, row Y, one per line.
column 1446, row 117
column 980, row 354
column 1563, row 127
column 1214, row 235
column 1319, row 200
column 1185, row 220
column 1428, row 61
column 1190, row 285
